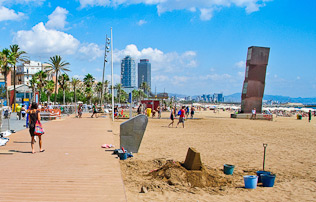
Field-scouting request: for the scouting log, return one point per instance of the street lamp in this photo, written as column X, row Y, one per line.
column 106, row 50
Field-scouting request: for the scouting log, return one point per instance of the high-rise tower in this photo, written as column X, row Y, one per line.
column 128, row 72
column 144, row 72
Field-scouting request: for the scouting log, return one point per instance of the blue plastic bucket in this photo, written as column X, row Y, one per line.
column 123, row 156
column 261, row 172
column 250, row 181
column 267, row 180
column 228, row 169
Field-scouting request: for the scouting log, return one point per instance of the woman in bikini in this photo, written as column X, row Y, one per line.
column 34, row 115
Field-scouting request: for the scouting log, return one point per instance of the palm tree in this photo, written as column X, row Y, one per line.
column 74, row 83
column 99, row 89
column 57, row 65
column 33, row 85
column 63, row 81
column 19, row 56
column 88, row 92
column 49, row 88
column 88, row 80
column 118, row 88
column 135, row 95
column 41, row 76
column 145, row 87
column 141, row 94
column 6, row 58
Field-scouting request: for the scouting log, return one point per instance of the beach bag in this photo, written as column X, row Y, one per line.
column 38, row 128
column 179, row 112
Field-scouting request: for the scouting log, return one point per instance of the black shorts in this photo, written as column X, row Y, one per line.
column 181, row 119
column 171, row 117
column 32, row 130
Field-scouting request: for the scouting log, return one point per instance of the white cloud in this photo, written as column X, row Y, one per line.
column 216, row 77
column 91, row 51
column 141, row 22
column 8, row 14
column 57, row 19
column 160, row 61
column 240, row 64
column 298, row 77
column 34, row 2
column 206, row 14
column 206, row 7
column 41, row 40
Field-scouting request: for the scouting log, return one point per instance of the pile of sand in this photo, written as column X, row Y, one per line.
column 173, row 173
column 168, row 175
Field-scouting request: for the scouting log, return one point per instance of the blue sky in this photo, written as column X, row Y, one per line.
column 195, row 46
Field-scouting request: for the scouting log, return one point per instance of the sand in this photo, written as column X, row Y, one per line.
column 222, row 140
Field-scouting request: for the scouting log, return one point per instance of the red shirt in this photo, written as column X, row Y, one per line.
column 182, row 113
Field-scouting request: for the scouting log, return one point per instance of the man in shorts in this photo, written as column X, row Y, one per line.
column 94, row 110
column 182, row 115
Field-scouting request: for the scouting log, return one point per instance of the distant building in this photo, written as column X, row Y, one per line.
column 25, row 72
column 128, row 72
column 218, row 97
column 144, row 72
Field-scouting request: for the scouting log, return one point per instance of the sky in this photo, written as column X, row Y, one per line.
column 195, row 46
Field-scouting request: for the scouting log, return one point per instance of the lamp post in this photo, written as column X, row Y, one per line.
column 106, row 50
column 112, row 75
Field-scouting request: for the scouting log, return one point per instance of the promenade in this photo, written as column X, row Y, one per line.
column 73, row 167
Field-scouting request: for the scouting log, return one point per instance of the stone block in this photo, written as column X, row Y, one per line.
column 132, row 132
column 193, row 160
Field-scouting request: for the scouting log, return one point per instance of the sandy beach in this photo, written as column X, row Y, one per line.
column 222, row 140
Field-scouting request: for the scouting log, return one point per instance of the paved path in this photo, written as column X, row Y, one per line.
column 73, row 167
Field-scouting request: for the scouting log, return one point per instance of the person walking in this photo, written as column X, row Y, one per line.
column 309, row 115
column 94, row 111
column 253, row 113
column 23, row 112
column 139, row 109
column 171, row 117
column 34, row 115
column 192, row 111
column 182, row 115
column 79, row 110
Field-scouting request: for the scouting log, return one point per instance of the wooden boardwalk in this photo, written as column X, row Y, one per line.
column 73, row 167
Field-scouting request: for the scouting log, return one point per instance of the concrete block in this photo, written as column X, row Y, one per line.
column 193, row 160
column 132, row 132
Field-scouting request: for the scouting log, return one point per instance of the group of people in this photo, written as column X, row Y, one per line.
column 183, row 113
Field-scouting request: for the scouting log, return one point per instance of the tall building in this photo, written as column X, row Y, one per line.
column 128, row 72
column 144, row 72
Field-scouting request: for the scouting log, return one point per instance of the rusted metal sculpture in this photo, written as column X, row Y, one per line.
column 253, row 88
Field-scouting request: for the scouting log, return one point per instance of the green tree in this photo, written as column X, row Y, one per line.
column 89, row 93
column 6, row 58
column 88, row 81
column 75, row 82
column 33, row 85
column 118, row 88
column 41, row 76
column 145, row 87
column 57, row 65
column 18, row 56
column 63, row 83
column 99, row 89
column 49, row 88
